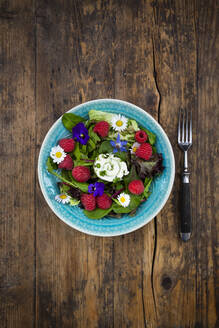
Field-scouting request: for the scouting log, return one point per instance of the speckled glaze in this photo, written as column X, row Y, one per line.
column 162, row 186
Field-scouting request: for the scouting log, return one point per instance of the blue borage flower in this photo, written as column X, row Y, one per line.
column 118, row 145
column 80, row 133
column 97, row 188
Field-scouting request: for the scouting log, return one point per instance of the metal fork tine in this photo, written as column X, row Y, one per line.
column 183, row 124
column 187, row 129
column 190, row 130
column 179, row 126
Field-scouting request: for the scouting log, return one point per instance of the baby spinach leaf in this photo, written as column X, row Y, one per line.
column 134, row 203
column 69, row 120
column 151, row 136
column 119, row 186
column 122, row 155
column 105, row 147
column 120, row 209
column 54, row 165
column 97, row 214
column 154, row 149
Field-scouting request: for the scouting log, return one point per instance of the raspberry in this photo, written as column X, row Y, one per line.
column 67, row 144
column 67, row 163
column 88, row 201
column 136, row 187
column 144, row 151
column 102, row 128
column 141, row 136
column 104, row 201
column 81, row 173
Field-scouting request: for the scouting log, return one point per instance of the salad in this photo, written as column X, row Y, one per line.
column 106, row 165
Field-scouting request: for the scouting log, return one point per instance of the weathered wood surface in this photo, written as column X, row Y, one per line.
column 159, row 55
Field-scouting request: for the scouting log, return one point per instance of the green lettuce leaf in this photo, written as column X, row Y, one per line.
column 74, row 202
column 93, row 135
column 69, row 120
column 147, row 184
column 77, row 152
column 98, row 115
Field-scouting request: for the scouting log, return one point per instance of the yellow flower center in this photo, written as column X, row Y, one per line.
column 63, row 196
column 122, row 199
column 134, row 149
column 58, row 154
column 119, row 123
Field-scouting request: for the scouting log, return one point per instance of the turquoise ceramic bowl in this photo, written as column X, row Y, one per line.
column 73, row 216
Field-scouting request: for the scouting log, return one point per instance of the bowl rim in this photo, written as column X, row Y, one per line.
column 159, row 208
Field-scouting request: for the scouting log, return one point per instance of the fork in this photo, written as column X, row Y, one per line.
column 185, row 142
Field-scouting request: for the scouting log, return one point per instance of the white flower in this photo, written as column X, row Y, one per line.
column 124, row 199
column 57, row 154
column 134, row 147
column 119, row 122
column 63, row 198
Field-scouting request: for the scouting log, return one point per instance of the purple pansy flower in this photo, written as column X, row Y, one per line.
column 80, row 133
column 118, row 145
column 97, row 188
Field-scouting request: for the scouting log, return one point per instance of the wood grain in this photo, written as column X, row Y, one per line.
column 185, row 273
column 17, row 139
column 75, row 68
column 159, row 55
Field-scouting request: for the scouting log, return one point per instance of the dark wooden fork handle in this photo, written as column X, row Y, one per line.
column 186, row 217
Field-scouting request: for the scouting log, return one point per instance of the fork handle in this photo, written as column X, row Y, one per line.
column 186, row 218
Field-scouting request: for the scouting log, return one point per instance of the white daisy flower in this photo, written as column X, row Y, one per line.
column 119, row 122
column 124, row 199
column 63, row 198
column 57, row 154
column 134, row 147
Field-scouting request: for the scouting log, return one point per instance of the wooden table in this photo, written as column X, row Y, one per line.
column 159, row 55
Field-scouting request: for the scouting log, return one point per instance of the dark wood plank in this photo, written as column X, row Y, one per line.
column 74, row 271
column 87, row 281
column 88, row 50
column 17, row 8
column 134, row 80
column 18, row 162
column 185, row 274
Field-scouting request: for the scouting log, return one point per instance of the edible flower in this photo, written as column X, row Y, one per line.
column 124, row 199
column 118, row 145
column 119, row 122
column 134, row 147
column 63, row 198
column 57, row 154
column 97, row 188
column 80, row 133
